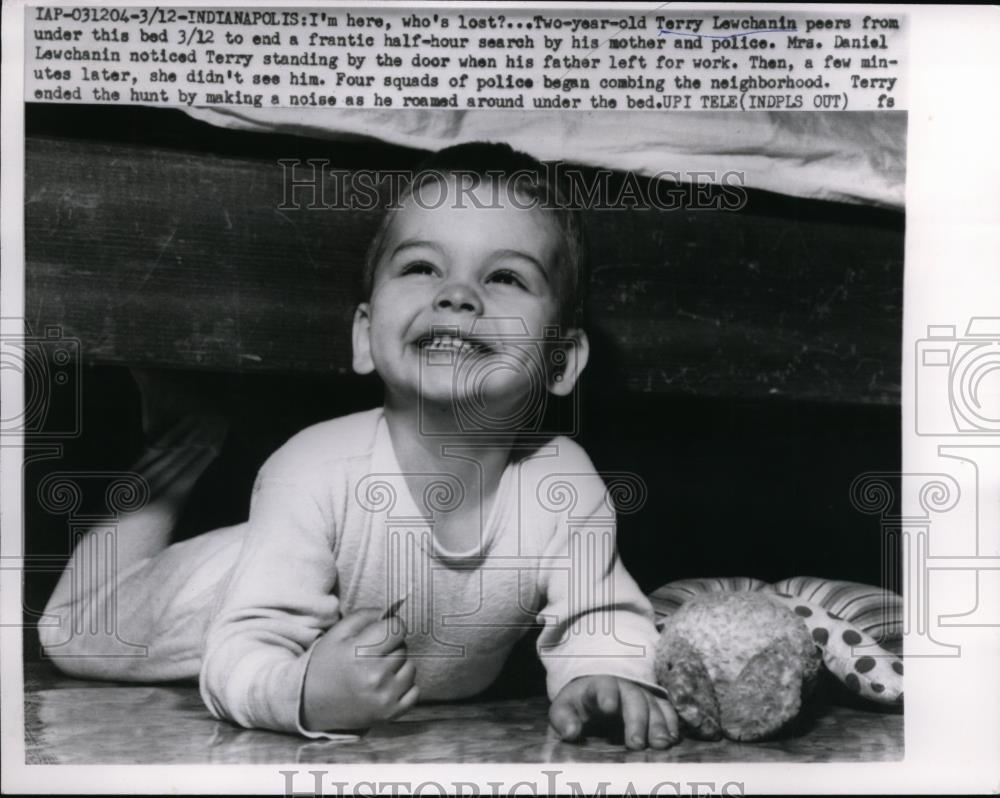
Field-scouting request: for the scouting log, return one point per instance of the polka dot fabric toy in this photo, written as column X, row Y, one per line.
column 739, row 656
column 848, row 653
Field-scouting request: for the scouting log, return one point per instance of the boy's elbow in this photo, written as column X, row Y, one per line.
column 58, row 644
column 79, row 651
column 66, row 651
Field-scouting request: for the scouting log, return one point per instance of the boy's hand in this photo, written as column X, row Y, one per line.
column 648, row 720
column 358, row 674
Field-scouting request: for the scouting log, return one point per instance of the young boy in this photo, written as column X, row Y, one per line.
column 398, row 554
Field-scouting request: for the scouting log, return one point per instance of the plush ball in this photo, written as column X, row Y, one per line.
column 737, row 665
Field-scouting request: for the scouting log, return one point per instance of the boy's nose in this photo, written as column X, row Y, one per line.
column 458, row 296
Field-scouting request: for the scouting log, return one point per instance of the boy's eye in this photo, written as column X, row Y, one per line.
column 507, row 277
column 418, row 267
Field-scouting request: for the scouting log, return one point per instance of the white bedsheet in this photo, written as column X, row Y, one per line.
column 843, row 156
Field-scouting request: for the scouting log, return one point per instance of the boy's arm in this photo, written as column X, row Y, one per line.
column 596, row 619
column 598, row 638
column 277, row 603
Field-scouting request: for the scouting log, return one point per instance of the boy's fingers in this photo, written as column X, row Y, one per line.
column 565, row 719
column 381, row 637
column 386, row 666
column 401, row 682
column 669, row 717
column 601, row 697
column 635, row 714
column 396, row 659
column 406, row 703
column 405, row 677
column 660, row 735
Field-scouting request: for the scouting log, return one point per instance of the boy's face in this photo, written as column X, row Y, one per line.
column 486, row 274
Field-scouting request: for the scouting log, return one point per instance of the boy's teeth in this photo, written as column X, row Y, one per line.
column 449, row 342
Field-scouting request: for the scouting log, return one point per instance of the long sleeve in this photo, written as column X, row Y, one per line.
column 278, row 601
column 596, row 619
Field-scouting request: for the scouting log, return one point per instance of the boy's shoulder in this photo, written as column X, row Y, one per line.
column 557, row 454
column 559, row 460
column 317, row 447
column 558, row 476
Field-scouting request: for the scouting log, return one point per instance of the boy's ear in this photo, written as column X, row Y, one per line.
column 562, row 382
column 361, row 340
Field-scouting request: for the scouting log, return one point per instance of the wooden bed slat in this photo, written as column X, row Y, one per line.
column 177, row 259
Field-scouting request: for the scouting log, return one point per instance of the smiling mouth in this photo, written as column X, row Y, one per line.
column 454, row 343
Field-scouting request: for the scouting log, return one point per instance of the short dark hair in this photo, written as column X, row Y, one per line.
column 480, row 160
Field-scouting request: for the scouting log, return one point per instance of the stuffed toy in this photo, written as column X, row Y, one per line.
column 740, row 658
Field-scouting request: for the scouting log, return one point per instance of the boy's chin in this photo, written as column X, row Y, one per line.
column 474, row 415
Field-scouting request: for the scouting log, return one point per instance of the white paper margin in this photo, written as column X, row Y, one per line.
column 952, row 266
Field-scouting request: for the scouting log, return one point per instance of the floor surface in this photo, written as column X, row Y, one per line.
column 68, row 721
